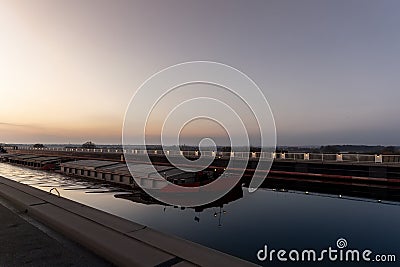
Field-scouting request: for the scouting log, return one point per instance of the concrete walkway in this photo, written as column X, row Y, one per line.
column 24, row 244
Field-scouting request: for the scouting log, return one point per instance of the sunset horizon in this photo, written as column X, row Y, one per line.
column 335, row 83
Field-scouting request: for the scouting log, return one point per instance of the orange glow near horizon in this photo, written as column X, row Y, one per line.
column 49, row 92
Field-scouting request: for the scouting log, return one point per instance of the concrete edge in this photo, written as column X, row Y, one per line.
column 116, row 239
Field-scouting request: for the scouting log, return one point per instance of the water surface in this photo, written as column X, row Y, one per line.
column 281, row 220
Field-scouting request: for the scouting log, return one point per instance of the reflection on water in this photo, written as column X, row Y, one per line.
column 242, row 223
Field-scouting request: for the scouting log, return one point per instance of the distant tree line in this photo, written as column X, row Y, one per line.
column 89, row 145
column 331, row 149
column 86, row 145
column 39, row 146
column 360, row 149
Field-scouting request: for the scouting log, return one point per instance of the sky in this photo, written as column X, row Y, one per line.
column 329, row 69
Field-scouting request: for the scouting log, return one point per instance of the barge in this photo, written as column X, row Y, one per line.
column 110, row 171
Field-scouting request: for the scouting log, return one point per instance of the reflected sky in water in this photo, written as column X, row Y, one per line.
column 288, row 220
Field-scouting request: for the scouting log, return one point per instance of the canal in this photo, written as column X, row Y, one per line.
column 247, row 221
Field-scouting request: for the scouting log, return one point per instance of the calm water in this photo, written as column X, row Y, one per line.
column 281, row 220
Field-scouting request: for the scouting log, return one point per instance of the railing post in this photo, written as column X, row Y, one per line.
column 378, row 158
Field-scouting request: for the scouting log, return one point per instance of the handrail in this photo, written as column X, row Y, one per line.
column 55, row 189
column 322, row 157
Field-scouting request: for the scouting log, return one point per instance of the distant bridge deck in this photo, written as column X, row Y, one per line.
column 309, row 157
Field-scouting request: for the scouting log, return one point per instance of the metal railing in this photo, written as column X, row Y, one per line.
column 315, row 157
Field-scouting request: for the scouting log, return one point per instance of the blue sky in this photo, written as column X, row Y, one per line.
column 329, row 69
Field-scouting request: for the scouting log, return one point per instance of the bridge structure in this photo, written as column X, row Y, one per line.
column 340, row 167
column 353, row 158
